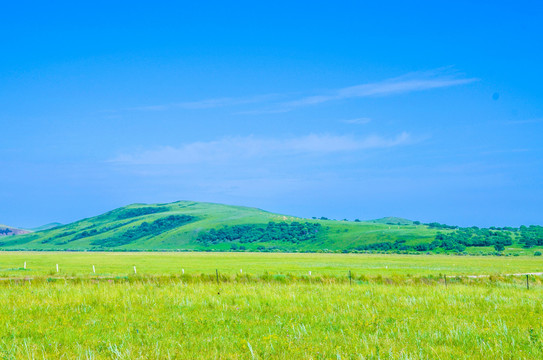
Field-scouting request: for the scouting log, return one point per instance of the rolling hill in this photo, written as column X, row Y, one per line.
column 198, row 226
column 10, row 231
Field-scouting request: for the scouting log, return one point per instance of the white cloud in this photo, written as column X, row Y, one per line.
column 250, row 147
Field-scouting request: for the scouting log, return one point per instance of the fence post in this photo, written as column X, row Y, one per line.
column 445, row 277
column 218, row 286
column 350, row 278
column 527, row 282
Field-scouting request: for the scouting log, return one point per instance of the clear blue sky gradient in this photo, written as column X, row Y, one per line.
column 426, row 110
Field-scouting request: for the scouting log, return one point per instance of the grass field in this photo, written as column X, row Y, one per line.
column 121, row 264
column 161, row 314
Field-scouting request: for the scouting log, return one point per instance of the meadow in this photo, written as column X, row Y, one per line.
column 159, row 263
column 395, row 307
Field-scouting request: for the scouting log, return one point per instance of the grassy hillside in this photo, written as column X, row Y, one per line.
column 125, row 229
column 188, row 225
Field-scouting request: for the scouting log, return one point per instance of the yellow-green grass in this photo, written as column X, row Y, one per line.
column 397, row 306
column 150, row 319
column 121, row 264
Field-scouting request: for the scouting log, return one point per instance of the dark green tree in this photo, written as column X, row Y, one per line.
column 499, row 247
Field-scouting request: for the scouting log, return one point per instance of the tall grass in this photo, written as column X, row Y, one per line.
column 170, row 318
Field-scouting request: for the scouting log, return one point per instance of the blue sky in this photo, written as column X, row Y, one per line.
column 425, row 110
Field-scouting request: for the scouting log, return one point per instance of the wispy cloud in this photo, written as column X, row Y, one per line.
column 209, row 103
column 523, row 122
column 281, row 103
column 412, row 82
column 251, row 147
column 505, row 151
column 357, row 121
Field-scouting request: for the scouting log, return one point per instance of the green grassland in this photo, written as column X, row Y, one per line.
column 169, row 263
column 197, row 226
column 396, row 307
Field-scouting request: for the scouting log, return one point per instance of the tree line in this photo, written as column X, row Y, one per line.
column 294, row 233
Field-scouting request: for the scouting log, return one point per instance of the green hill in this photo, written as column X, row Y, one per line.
column 188, row 225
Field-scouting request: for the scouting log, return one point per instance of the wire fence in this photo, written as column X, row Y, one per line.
column 134, row 274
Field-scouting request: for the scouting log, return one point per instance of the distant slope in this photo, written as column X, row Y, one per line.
column 10, row 231
column 391, row 220
column 188, row 225
column 46, row 227
column 198, row 226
